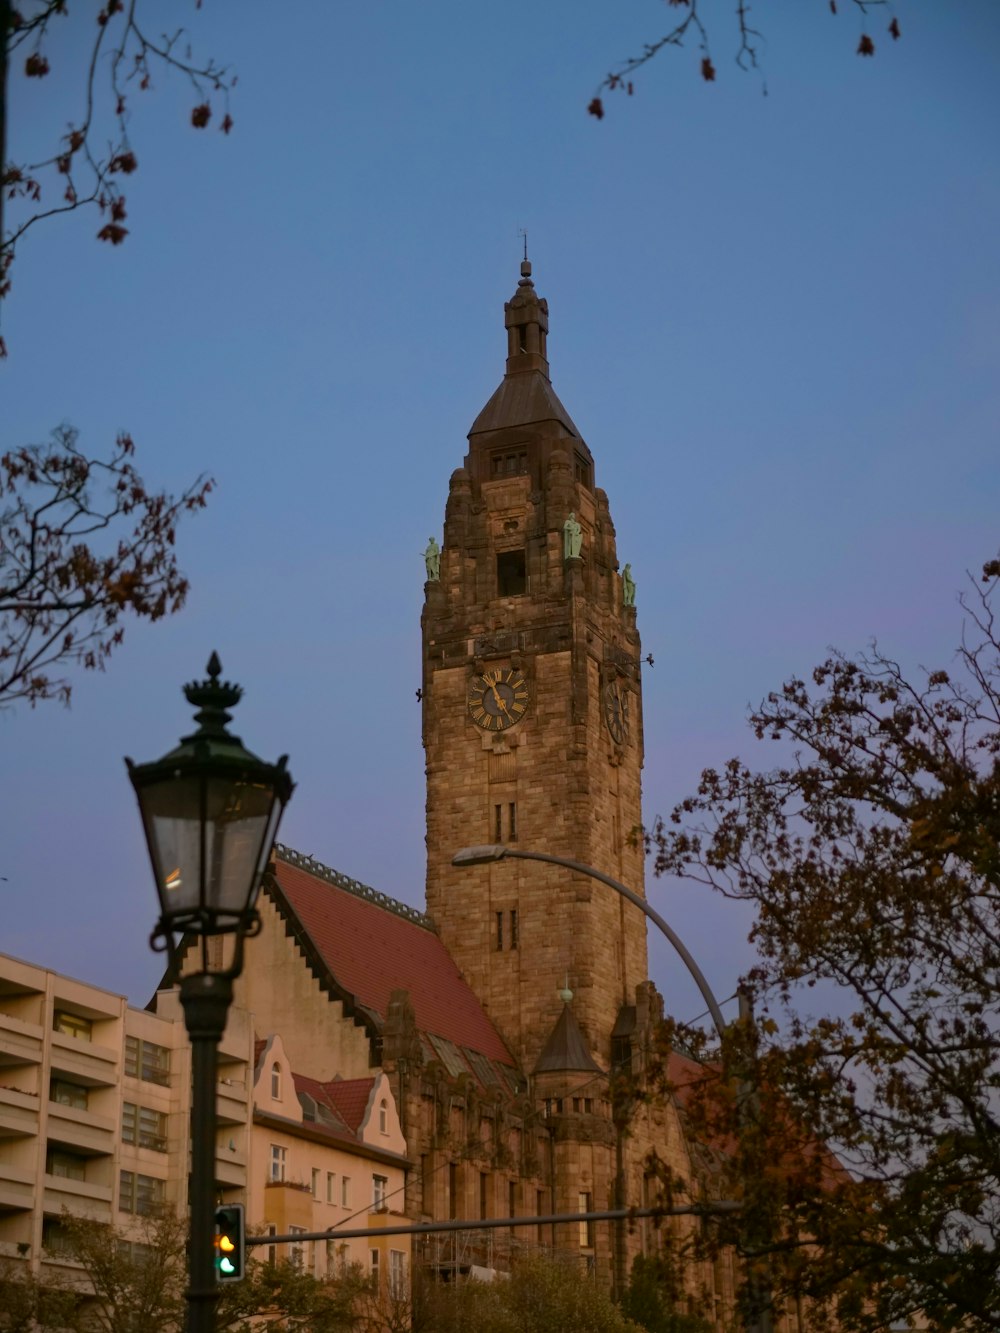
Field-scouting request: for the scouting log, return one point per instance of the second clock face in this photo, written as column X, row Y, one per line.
column 616, row 711
column 498, row 698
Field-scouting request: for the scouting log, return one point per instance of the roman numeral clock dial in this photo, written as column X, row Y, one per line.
column 498, row 698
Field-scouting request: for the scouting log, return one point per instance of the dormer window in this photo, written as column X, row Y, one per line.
column 276, row 1082
column 383, row 1117
column 509, row 463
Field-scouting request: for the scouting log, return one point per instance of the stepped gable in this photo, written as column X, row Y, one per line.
column 366, row 945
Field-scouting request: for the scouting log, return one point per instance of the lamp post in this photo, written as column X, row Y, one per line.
column 759, row 1320
column 210, row 811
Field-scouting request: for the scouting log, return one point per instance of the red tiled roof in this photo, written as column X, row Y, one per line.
column 349, row 1097
column 371, row 951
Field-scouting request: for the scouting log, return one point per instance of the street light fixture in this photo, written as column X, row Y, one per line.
column 210, row 810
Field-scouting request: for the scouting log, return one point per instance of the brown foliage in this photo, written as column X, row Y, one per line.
column 83, row 541
column 96, row 147
column 872, row 857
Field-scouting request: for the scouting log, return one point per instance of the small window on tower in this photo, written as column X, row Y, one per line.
column 513, row 927
column 499, row 932
column 581, row 470
column 511, row 577
column 522, row 337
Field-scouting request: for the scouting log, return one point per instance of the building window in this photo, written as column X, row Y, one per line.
column 513, row 927
column 315, row 1182
column 484, row 1195
column 66, row 1165
column 511, row 574
column 512, row 822
column 276, row 1082
column 297, row 1253
column 373, row 1268
column 144, row 1127
column 499, row 927
column 345, row 1191
column 330, row 1186
column 380, row 1188
column 383, row 1117
column 72, row 1025
column 139, row 1194
column 509, row 463
column 586, row 1228
column 272, row 1250
column 452, row 1190
column 68, row 1094
column 279, row 1157
column 55, row 1238
column 397, row 1275
column 146, row 1060
column 581, row 470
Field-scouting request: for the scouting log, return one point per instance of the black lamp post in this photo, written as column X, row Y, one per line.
column 210, row 811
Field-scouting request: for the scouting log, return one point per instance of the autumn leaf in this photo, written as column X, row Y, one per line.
column 894, row 29
column 36, row 66
column 866, row 47
column 201, row 115
column 596, row 108
column 707, row 70
column 112, row 232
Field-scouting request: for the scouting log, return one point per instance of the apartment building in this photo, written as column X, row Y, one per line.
column 95, row 1119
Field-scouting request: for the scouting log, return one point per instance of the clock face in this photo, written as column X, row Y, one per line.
column 616, row 711
column 498, row 698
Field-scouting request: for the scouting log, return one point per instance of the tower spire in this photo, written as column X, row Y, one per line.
column 526, row 317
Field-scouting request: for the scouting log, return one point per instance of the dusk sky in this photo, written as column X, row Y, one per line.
column 775, row 319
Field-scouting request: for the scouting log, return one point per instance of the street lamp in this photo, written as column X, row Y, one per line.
column 210, row 810
column 760, row 1318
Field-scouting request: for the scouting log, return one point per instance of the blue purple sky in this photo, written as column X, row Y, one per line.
column 775, row 319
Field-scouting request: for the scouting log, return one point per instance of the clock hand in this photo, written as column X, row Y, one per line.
column 499, row 701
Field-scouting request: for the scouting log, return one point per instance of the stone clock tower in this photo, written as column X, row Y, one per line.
column 532, row 714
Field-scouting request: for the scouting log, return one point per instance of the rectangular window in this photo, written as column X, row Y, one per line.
column 586, row 1228
column 279, row 1157
column 581, row 470
column 66, row 1165
column 146, row 1060
column 513, row 927
column 55, row 1238
column 144, row 1127
column 499, row 927
column 511, row 574
column 512, row 825
column 139, row 1194
column 380, row 1188
column 397, row 1275
column 272, row 1250
column 498, row 823
column 315, row 1182
column 68, row 1094
column 373, row 1269
column 452, row 1190
column 331, row 1180
column 539, row 1210
column 297, row 1251
column 484, row 1195
column 513, row 464
column 345, row 1191
column 72, row 1025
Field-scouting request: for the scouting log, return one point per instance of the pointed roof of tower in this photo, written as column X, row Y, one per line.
column 566, row 1050
column 525, row 396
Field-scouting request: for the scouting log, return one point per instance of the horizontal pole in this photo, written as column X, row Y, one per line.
column 722, row 1206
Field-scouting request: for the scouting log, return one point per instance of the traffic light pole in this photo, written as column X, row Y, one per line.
column 206, row 998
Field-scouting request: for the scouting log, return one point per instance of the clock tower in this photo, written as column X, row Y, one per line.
column 532, row 714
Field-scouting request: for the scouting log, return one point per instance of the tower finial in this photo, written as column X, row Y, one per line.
column 525, row 262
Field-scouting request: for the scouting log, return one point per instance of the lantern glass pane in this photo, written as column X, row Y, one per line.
column 224, row 819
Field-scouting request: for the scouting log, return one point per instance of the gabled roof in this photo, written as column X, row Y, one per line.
column 350, row 1097
column 566, row 1050
column 365, row 945
column 523, row 399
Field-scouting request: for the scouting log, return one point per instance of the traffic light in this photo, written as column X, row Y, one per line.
column 230, row 1247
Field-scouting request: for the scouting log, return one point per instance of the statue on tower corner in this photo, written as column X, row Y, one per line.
column 628, row 586
column 572, row 538
column 432, row 560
